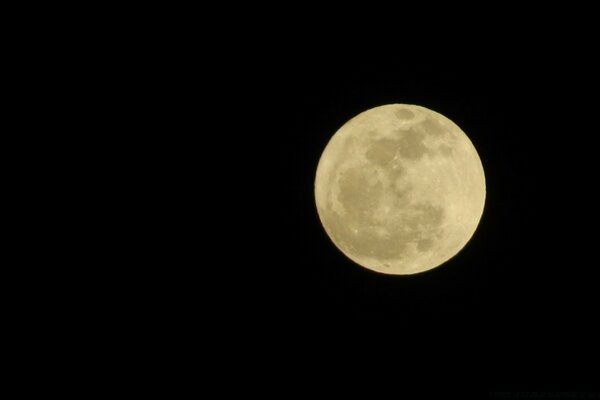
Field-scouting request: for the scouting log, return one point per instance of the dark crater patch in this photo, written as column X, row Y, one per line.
column 424, row 216
column 356, row 194
column 382, row 151
column 432, row 127
column 445, row 150
column 404, row 114
column 411, row 144
column 424, row 244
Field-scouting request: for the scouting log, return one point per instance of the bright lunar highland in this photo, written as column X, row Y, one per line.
column 400, row 189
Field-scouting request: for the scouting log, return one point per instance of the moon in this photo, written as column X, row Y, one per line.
column 400, row 189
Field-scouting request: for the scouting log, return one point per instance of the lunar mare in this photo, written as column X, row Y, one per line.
column 400, row 189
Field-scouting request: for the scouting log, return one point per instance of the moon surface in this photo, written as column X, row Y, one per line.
column 400, row 189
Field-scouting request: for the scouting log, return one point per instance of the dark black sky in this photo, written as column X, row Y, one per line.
column 518, row 305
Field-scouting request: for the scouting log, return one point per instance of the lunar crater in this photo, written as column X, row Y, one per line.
column 404, row 114
column 411, row 144
column 382, row 151
column 432, row 127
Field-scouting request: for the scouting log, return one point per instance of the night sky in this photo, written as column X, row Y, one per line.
column 206, row 131
column 517, row 307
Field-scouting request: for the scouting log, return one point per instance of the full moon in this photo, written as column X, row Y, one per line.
column 400, row 189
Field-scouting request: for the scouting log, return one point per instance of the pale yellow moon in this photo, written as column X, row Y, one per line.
column 400, row 189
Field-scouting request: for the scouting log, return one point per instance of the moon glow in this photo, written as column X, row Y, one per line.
column 400, row 189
